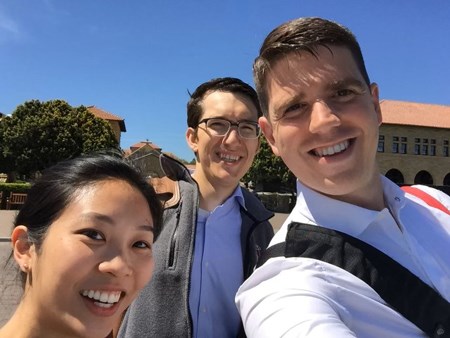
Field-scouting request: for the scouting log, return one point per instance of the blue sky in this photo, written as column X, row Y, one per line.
column 137, row 59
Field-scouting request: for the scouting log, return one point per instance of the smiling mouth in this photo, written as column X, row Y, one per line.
column 331, row 150
column 228, row 158
column 104, row 299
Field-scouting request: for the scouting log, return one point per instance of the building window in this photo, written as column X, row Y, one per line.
column 445, row 148
column 424, row 146
column 403, row 148
column 433, row 150
column 395, row 144
column 417, row 149
column 381, row 144
column 403, row 145
column 417, row 146
column 424, row 149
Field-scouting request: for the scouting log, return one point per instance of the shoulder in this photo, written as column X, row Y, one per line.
column 441, row 196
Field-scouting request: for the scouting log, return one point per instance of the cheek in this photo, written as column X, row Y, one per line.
column 285, row 136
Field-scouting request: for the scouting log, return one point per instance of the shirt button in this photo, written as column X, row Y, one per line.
column 440, row 330
column 204, row 309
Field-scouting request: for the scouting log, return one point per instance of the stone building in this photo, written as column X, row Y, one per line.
column 145, row 157
column 117, row 123
column 413, row 145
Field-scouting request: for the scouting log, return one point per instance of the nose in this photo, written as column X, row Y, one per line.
column 117, row 265
column 232, row 135
column 323, row 117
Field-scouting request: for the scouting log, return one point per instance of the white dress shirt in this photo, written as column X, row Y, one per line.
column 303, row 297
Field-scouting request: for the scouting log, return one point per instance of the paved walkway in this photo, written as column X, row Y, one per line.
column 6, row 222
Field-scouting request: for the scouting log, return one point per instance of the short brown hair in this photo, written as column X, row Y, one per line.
column 303, row 34
column 223, row 84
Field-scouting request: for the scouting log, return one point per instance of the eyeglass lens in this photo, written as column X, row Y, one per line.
column 221, row 127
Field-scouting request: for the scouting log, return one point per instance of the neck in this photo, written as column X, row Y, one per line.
column 22, row 325
column 212, row 195
column 371, row 196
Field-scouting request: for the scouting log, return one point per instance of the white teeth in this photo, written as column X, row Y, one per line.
column 229, row 158
column 104, row 305
column 337, row 148
column 104, row 297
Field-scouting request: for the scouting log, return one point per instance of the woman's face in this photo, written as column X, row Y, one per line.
column 93, row 261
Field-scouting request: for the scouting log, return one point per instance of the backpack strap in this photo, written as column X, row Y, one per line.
column 401, row 289
column 427, row 198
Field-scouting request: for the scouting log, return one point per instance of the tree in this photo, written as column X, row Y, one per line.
column 268, row 172
column 6, row 162
column 40, row 134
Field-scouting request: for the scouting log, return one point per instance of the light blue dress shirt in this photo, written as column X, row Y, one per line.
column 217, row 270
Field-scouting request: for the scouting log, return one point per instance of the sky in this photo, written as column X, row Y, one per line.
column 138, row 59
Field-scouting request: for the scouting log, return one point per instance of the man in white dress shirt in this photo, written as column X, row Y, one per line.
column 321, row 116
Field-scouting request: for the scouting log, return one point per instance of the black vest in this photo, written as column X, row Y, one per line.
column 401, row 289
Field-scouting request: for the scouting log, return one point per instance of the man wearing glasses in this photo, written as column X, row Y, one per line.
column 213, row 236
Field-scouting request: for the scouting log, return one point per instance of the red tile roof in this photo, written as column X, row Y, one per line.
column 144, row 143
column 415, row 114
column 107, row 116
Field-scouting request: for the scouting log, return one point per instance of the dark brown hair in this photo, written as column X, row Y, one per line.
column 302, row 35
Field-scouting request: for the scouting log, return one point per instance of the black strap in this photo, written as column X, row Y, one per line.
column 400, row 288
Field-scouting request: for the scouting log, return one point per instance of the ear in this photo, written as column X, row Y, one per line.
column 22, row 248
column 374, row 91
column 267, row 130
column 191, row 139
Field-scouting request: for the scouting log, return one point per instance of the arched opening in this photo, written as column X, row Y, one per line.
column 423, row 177
column 446, row 180
column 395, row 176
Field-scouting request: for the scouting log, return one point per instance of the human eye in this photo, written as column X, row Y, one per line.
column 344, row 93
column 294, row 110
column 347, row 93
column 248, row 129
column 92, row 234
column 142, row 245
column 219, row 126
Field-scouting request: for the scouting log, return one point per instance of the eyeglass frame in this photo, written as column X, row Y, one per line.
column 232, row 124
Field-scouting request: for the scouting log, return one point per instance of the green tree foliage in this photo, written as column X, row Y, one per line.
column 268, row 171
column 40, row 134
column 6, row 162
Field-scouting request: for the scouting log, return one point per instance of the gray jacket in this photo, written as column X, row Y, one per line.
column 162, row 308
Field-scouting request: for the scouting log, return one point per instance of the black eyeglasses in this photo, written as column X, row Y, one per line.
column 220, row 127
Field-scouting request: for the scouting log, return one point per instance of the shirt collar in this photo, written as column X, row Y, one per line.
column 238, row 196
column 337, row 215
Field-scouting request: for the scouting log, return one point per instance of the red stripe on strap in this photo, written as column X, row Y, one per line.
column 428, row 199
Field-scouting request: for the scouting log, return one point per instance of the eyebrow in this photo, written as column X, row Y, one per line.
column 345, row 83
column 110, row 221
column 330, row 86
